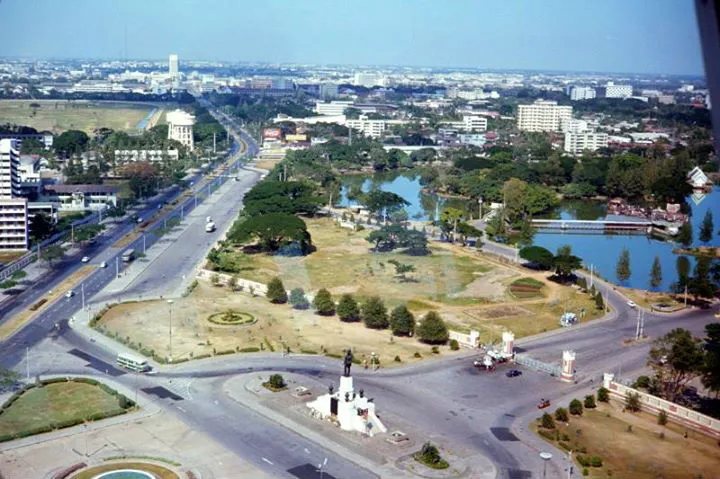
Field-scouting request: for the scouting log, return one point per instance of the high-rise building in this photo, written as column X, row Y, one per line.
column 576, row 143
column 371, row 128
column 13, row 210
column 618, row 91
column 174, row 66
column 180, row 127
column 328, row 91
column 582, row 93
column 369, row 79
column 543, row 115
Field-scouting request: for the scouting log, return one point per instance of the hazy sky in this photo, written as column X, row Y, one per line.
column 655, row 36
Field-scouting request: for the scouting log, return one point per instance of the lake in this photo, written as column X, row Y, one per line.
column 601, row 251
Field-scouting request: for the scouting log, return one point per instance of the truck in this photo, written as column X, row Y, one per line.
column 209, row 227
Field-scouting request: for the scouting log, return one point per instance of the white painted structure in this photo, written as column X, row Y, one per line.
column 578, row 93
column 13, row 209
column 353, row 411
column 568, row 366
column 618, row 91
column 573, row 125
column 333, row 108
column 508, row 339
column 173, row 66
column 470, row 341
column 576, row 143
column 698, row 178
column 371, row 128
column 9, row 165
column 131, row 156
column 542, row 115
column 180, row 127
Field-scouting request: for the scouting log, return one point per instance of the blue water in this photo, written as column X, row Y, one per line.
column 601, row 251
column 125, row 474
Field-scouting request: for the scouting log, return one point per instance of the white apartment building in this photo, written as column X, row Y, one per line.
column 573, row 125
column 576, row 143
column 371, row 128
column 618, row 91
column 474, row 123
column 180, row 127
column 81, row 197
column 542, row 115
column 327, row 91
column 126, row 156
column 666, row 99
column 333, row 108
column 173, row 65
column 13, row 210
column 369, row 80
column 578, row 93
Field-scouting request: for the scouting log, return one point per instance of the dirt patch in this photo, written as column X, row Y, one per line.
column 490, row 285
column 499, row 312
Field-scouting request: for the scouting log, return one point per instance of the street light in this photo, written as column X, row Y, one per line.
column 170, row 302
column 545, row 456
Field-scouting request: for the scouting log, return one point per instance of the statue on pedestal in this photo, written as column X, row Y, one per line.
column 348, row 363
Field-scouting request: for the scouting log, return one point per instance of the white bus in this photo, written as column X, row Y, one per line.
column 133, row 363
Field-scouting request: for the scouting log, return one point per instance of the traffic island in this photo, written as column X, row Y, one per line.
column 124, row 470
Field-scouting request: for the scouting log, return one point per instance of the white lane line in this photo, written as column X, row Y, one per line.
column 268, row 461
column 180, row 408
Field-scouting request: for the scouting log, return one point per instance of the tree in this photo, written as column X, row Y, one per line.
column 449, row 219
column 289, row 197
column 676, row 358
column 273, row 231
column 622, row 270
column 662, row 418
column 401, row 269
column 374, row 314
column 561, row 414
column 589, row 402
column 565, row 262
column 685, row 234
column 276, row 381
column 526, row 233
column 347, row 309
column 143, row 178
column 298, row 300
column 682, row 265
column 402, row 321
column 432, row 329
column 706, row 227
column 8, row 378
column 701, row 284
column 233, row 283
column 711, row 363
column 276, row 291
column 465, row 230
column 538, row 257
column 603, row 395
column 632, row 401
column 71, row 142
column 323, row 303
column 547, row 421
column 656, row 273
column 41, row 227
column 382, row 203
column 51, row 253
column 576, row 407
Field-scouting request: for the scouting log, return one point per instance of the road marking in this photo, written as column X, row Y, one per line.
column 268, row 461
column 180, row 408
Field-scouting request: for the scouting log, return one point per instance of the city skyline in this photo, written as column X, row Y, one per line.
column 622, row 39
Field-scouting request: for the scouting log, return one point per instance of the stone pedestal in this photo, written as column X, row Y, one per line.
column 568, row 366
column 346, row 386
column 508, row 340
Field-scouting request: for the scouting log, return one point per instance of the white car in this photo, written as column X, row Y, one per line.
column 69, row 293
column 103, row 264
column 139, row 220
column 632, row 304
column 85, row 259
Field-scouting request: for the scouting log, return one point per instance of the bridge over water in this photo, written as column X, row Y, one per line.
column 598, row 225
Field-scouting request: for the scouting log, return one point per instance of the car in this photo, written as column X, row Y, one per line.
column 513, row 373
column 139, row 220
column 632, row 304
column 70, row 293
column 543, row 403
column 85, row 259
column 103, row 264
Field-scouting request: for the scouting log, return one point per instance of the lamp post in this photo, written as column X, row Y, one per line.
column 170, row 302
column 545, row 456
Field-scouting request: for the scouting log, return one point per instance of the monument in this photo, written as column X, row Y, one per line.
column 352, row 411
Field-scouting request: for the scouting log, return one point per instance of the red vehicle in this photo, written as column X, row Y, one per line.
column 543, row 403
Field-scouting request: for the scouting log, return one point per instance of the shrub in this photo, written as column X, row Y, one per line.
column 215, row 279
column 347, row 309
column 576, row 407
column 632, row 402
column 585, row 472
column 589, row 402
column 603, row 395
column 583, row 460
column 430, row 456
column 547, row 421
column 432, row 329
column 565, row 445
column 454, row 345
column 250, row 349
column 276, row 291
column 374, row 314
column 324, row 303
column 397, row 359
column 276, row 381
column 298, row 300
column 402, row 321
column 417, row 355
column 435, row 350
column 561, row 414
column 233, row 283
column 662, row 418
column 549, row 435
column 641, row 382
column 596, row 461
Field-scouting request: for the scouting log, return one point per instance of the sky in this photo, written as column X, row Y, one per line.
column 624, row 36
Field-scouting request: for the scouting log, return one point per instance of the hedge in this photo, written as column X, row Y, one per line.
column 250, row 349
column 549, row 435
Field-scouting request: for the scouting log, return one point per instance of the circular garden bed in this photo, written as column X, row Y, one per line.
column 152, row 470
column 231, row 318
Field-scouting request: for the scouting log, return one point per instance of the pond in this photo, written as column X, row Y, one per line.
column 600, row 250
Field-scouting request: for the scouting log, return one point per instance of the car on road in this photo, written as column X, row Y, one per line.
column 632, row 304
column 513, row 373
column 543, row 403
column 70, row 293
column 85, row 259
column 103, row 264
column 139, row 220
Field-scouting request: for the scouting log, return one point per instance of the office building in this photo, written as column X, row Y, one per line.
column 578, row 93
column 13, row 210
column 369, row 80
column 173, row 66
column 576, row 143
column 474, row 123
column 618, row 91
column 542, row 115
column 180, row 127
column 328, row 91
column 371, row 128
column 152, row 156
column 334, row 108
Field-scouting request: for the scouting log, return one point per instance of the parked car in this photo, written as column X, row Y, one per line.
column 543, row 403
column 85, row 259
column 70, row 293
column 103, row 264
column 632, row 304
column 513, row 373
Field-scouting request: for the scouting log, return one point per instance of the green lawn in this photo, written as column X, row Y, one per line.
column 55, row 403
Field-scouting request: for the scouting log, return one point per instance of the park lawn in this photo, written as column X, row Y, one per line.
column 343, row 263
column 58, row 115
column 54, row 403
column 158, row 471
column 642, row 453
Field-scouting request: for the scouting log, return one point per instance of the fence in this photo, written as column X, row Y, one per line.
column 653, row 404
column 538, row 365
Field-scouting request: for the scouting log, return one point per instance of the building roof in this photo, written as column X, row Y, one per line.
column 81, row 188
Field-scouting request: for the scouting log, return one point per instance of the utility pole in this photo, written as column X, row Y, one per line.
column 143, row 243
column 82, row 294
column 195, row 200
column 117, row 267
column 170, row 302
column 592, row 267
column 182, row 211
column 27, row 363
column 642, row 325
column 214, row 142
column 686, row 295
column 72, row 233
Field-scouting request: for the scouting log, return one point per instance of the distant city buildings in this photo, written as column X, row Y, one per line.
column 332, row 108
column 469, row 123
column 666, row 99
column 327, row 91
column 81, row 197
column 369, row 80
column 618, row 91
column 542, row 115
column 173, row 66
column 579, row 93
column 180, row 127
column 577, row 142
column 13, row 208
column 152, row 156
column 371, row 128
